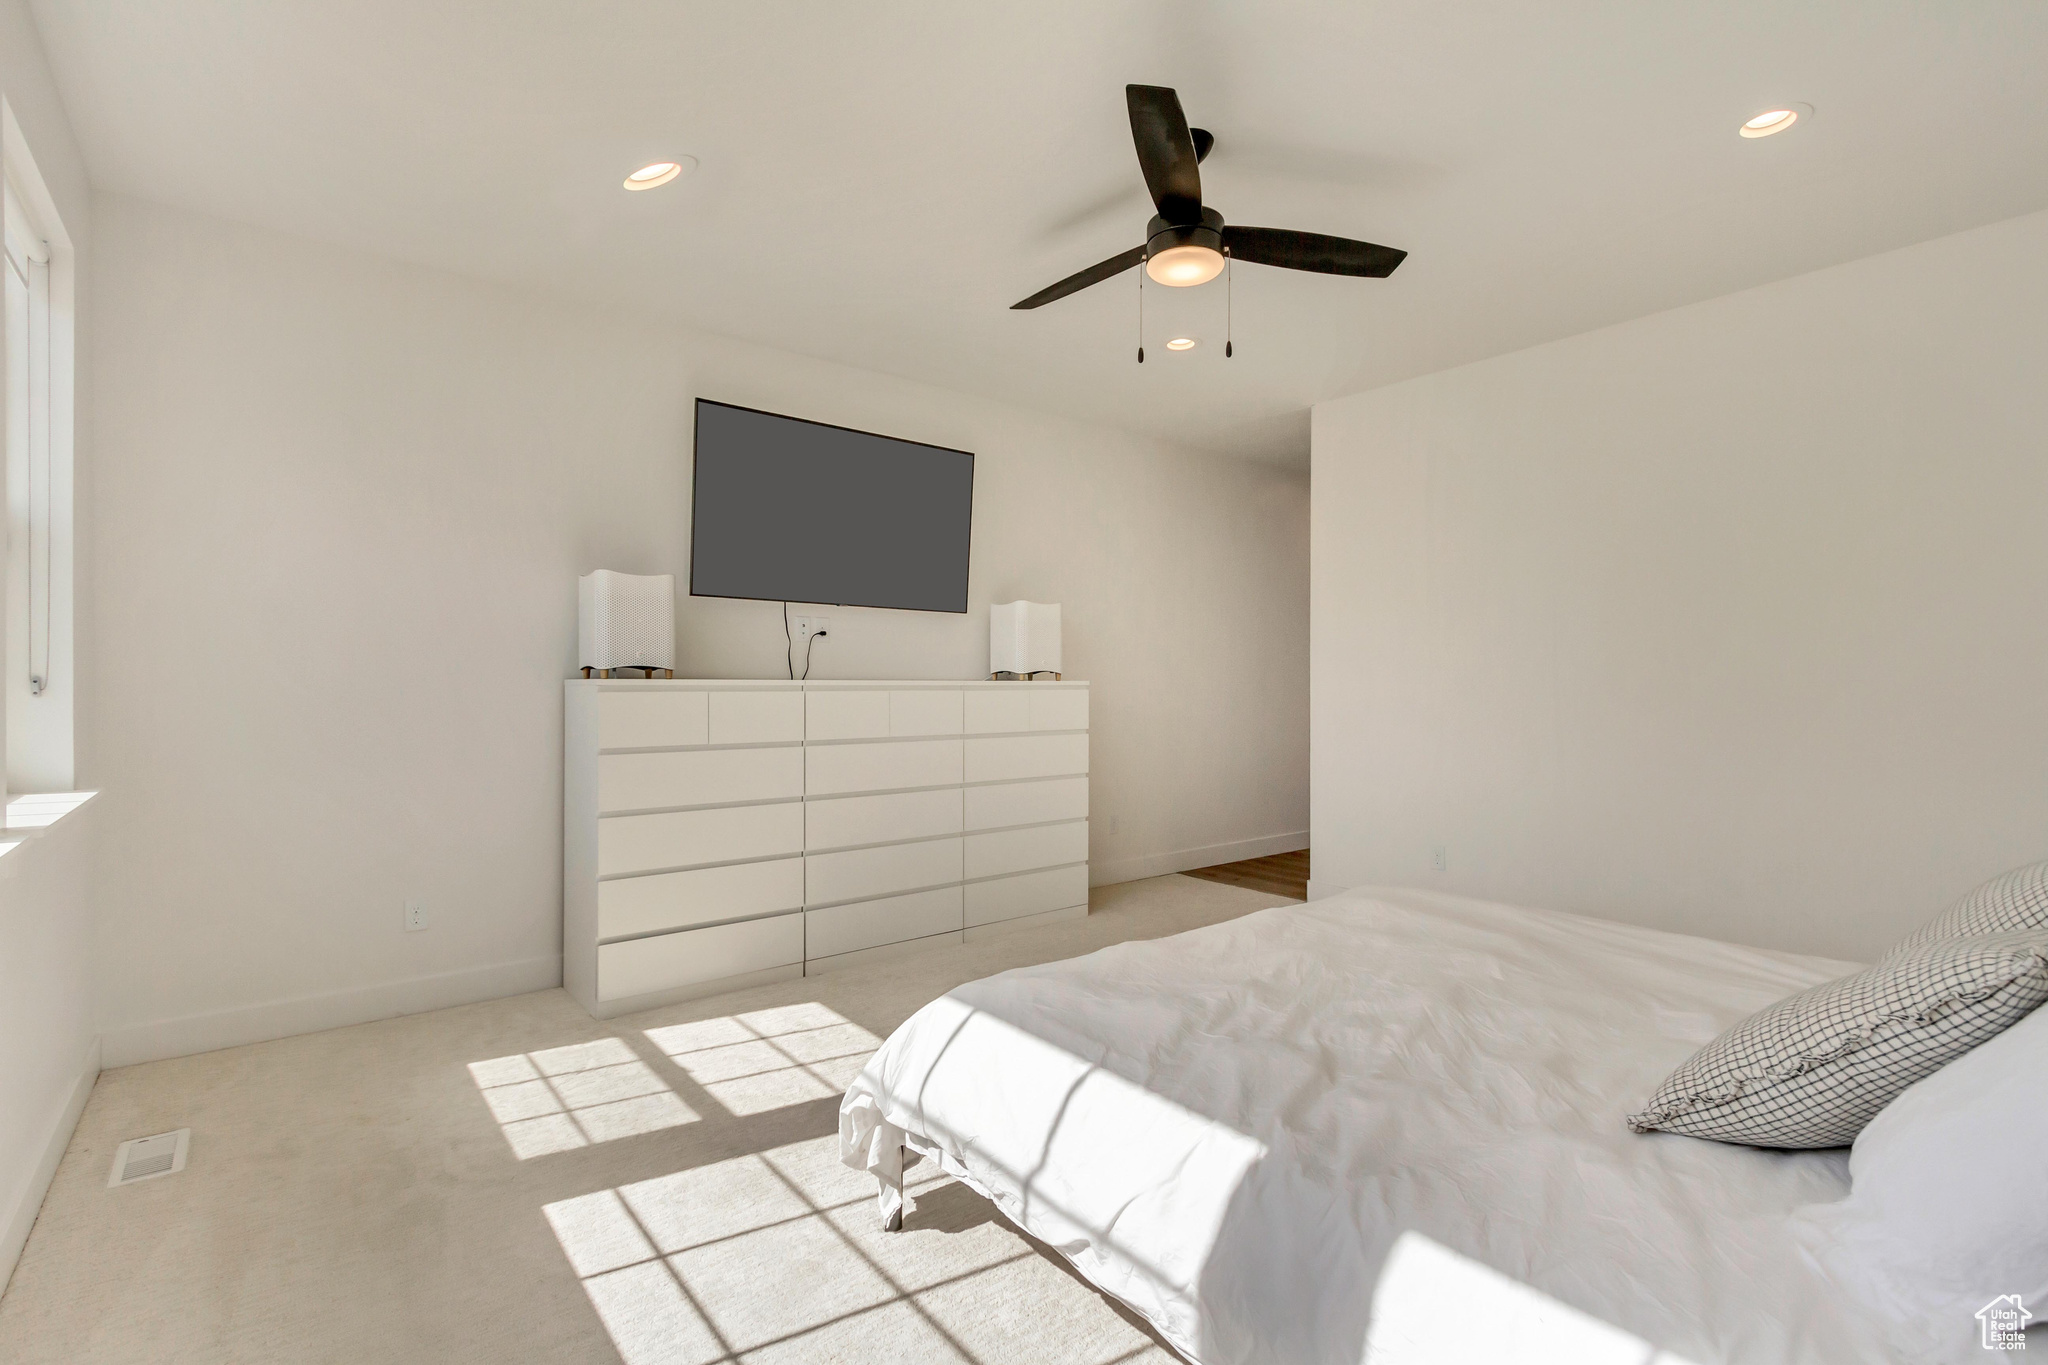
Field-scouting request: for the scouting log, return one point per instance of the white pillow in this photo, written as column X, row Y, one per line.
column 1949, row 1205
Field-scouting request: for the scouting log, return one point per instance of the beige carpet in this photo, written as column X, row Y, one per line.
column 516, row 1181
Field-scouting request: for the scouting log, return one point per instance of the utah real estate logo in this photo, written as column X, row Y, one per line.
column 2005, row 1321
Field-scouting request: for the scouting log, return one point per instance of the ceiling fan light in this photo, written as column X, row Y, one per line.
column 1181, row 266
column 1181, row 344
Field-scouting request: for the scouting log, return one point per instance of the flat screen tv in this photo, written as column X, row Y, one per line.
column 785, row 510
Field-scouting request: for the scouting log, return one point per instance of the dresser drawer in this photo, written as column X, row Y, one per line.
column 1021, row 850
column 1005, row 759
column 889, row 952
column 703, row 778
column 925, row 712
column 870, row 924
column 998, row 710
column 864, row 873
column 1027, row 803
column 641, row 966
column 675, row 900
column 650, row 720
column 1064, row 708
column 843, row 821
column 1026, row 706
column 1033, row 893
column 846, row 715
column 757, row 717
column 835, row 768
column 641, row 843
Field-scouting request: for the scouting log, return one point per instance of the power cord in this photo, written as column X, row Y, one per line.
column 789, row 647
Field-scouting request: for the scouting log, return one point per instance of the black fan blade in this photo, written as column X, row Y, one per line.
column 1311, row 251
column 1166, row 152
column 1204, row 140
column 1094, row 274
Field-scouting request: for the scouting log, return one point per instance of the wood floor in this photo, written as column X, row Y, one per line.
column 1282, row 874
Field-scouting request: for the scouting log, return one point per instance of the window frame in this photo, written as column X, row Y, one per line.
column 37, row 739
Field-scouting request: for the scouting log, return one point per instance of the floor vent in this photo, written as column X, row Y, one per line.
column 146, row 1158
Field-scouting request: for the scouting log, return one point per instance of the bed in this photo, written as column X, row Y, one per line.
column 1381, row 1127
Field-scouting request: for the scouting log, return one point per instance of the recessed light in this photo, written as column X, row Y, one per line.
column 1774, row 120
column 660, row 173
column 1181, row 344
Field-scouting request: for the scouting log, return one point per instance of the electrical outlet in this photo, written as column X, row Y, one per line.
column 1441, row 858
column 1109, row 826
column 803, row 627
column 415, row 916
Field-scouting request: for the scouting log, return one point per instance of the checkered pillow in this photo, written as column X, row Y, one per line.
column 1812, row 1069
column 2003, row 905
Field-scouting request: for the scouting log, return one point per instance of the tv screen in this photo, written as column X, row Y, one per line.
column 786, row 510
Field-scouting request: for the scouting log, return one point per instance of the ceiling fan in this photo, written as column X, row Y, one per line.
column 1187, row 244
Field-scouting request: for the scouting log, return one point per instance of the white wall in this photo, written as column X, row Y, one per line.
column 344, row 504
column 1732, row 620
column 48, row 1047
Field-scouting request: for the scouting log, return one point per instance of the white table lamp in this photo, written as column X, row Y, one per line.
column 1024, row 639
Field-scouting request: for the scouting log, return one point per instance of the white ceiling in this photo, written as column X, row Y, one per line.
column 881, row 180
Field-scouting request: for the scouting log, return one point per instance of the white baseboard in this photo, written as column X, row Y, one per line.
column 29, row 1201
column 1159, row 864
column 180, row 1037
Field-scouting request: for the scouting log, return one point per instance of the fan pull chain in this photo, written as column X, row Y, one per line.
column 1229, row 299
column 1141, row 312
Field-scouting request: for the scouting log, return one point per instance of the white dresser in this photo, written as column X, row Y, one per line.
column 722, row 834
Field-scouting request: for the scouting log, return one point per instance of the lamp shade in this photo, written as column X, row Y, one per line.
column 1024, row 637
column 626, row 620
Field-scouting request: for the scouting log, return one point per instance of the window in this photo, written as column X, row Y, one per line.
column 37, row 652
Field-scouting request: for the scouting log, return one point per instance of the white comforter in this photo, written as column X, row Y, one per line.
column 1382, row 1127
